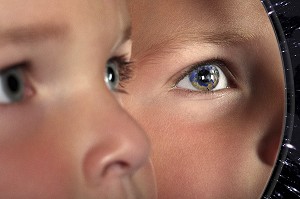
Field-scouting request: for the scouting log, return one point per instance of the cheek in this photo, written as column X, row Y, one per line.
column 206, row 159
column 34, row 168
column 249, row 121
column 203, row 144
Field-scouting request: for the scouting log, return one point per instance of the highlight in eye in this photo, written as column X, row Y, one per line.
column 118, row 70
column 204, row 77
column 11, row 85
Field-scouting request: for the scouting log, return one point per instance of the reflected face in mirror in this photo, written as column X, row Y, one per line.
column 63, row 132
column 208, row 88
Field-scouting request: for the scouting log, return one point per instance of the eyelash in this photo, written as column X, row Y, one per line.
column 124, row 69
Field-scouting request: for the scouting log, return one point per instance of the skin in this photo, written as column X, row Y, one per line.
column 220, row 144
column 68, row 137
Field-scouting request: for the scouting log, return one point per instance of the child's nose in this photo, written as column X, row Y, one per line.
column 122, row 151
column 117, row 145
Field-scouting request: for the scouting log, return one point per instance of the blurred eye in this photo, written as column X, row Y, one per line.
column 118, row 71
column 112, row 74
column 11, row 85
column 208, row 77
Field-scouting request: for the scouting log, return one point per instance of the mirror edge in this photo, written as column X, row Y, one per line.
column 288, row 120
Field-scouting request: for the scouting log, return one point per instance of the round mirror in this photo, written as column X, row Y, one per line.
column 208, row 87
column 285, row 179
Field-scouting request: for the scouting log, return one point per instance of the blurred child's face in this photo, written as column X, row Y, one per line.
column 208, row 89
column 63, row 133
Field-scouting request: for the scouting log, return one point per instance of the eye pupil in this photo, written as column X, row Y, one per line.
column 111, row 74
column 13, row 84
column 205, row 76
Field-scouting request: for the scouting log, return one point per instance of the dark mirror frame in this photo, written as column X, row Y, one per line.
column 285, row 179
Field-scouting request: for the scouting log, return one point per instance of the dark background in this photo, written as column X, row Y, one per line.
column 288, row 183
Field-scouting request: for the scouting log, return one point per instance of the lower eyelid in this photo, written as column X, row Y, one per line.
column 198, row 95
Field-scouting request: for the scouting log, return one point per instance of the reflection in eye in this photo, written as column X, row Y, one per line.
column 117, row 71
column 208, row 77
column 11, row 85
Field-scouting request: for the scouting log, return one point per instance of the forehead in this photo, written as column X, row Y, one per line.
column 87, row 14
column 180, row 18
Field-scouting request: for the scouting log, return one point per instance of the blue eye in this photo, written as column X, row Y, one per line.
column 207, row 77
column 112, row 74
column 11, row 85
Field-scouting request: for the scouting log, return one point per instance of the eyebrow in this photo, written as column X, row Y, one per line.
column 34, row 33
column 225, row 38
column 180, row 39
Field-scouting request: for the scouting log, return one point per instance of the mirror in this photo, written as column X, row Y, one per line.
column 285, row 179
column 208, row 88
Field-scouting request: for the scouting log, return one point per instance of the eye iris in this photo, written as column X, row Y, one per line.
column 112, row 75
column 12, row 85
column 205, row 77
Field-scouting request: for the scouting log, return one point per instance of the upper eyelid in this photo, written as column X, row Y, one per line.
column 13, row 65
column 121, row 60
column 120, row 49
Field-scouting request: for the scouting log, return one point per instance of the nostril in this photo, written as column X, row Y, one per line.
column 116, row 154
column 118, row 168
column 100, row 164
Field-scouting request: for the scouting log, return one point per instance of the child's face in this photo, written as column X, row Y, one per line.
column 63, row 133
column 208, row 89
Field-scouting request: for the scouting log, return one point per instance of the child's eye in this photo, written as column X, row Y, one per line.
column 206, row 77
column 112, row 74
column 117, row 71
column 11, row 85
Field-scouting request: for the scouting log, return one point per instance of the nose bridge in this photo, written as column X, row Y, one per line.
column 116, row 145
